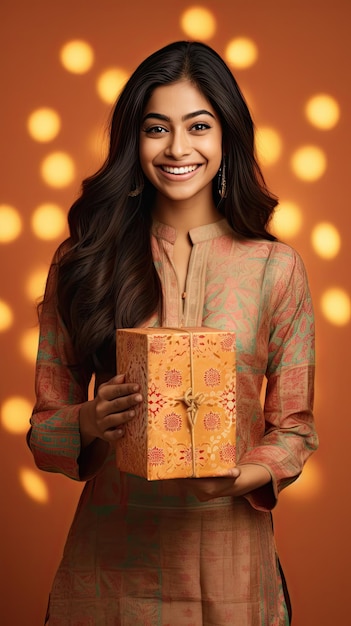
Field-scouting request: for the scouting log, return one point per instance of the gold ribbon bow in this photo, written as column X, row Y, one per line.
column 193, row 403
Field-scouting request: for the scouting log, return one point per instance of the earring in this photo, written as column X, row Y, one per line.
column 138, row 186
column 222, row 180
column 136, row 191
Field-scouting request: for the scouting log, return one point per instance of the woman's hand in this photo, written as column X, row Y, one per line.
column 113, row 406
column 240, row 481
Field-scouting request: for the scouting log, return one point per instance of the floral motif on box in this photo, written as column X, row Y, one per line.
column 186, row 425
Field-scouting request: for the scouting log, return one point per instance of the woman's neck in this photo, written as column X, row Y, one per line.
column 184, row 216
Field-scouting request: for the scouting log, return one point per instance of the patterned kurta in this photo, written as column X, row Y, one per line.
column 145, row 553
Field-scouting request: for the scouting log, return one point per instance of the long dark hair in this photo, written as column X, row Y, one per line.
column 105, row 274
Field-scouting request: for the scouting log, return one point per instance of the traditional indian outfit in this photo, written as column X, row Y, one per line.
column 149, row 553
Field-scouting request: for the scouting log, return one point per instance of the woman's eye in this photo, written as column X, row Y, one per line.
column 200, row 126
column 155, row 130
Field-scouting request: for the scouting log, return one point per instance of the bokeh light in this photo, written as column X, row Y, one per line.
column 58, row 169
column 48, row 221
column 308, row 484
column 336, row 306
column 241, row 52
column 322, row 111
column 34, row 485
column 6, row 316
column 15, row 414
column 28, row 344
column 77, row 56
column 287, row 220
column 35, row 283
column 10, row 223
column 268, row 145
column 309, row 163
column 198, row 23
column 326, row 240
column 44, row 124
column 111, row 83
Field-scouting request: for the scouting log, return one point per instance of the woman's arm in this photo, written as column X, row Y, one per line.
column 289, row 438
column 70, row 434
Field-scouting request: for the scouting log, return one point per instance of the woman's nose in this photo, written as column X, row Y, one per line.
column 179, row 144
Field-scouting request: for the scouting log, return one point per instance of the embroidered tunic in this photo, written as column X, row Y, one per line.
column 145, row 553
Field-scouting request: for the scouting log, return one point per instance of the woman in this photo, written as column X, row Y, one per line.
column 172, row 231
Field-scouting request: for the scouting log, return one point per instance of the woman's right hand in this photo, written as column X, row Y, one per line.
column 113, row 406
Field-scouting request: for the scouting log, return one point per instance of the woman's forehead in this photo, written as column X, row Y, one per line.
column 177, row 100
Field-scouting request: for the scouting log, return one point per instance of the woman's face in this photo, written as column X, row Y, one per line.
column 180, row 142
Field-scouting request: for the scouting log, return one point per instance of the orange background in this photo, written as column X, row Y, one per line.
column 303, row 49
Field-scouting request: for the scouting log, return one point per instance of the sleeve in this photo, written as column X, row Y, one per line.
column 61, row 389
column 290, row 436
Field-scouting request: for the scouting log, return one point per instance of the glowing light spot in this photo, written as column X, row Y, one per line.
column 241, row 53
column 35, row 284
column 10, row 223
column 322, row 111
column 28, row 345
column 309, row 483
column 6, row 316
column 309, row 163
column 326, row 240
column 15, row 414
column 198, row 23
column 44, row 124
column 287, row 220
column 111, row 83
column 336, row 306
column 269, row 145
column 58, row 169
column 33, row 485
column 48, row 221
column 77, row 56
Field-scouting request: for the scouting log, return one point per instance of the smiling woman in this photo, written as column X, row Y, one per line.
column 173, row 231
column 180, row 154
column 181, row 151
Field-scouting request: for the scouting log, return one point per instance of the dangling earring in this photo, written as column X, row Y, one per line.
column 222, row 180
column 138, row 186
column 136, row 191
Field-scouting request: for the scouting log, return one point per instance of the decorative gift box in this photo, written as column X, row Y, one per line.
column 185, row 426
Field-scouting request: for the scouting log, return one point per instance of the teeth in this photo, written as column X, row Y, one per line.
column 179, row 170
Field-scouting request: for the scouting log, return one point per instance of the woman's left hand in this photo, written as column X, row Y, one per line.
column 239, row 481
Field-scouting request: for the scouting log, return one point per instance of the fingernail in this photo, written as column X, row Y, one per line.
column 138, row 398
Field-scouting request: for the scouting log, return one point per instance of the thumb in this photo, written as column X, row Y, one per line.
column 235, row 472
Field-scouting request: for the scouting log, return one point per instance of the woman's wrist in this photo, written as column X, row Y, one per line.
column 87, row 435
column 251, row 477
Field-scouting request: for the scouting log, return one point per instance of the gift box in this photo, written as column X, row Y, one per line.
column 186, row 425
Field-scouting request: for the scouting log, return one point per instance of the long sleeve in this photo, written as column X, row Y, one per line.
column 54, row 436
column 290, row 436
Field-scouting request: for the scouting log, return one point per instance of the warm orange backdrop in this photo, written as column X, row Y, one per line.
column 304, row 49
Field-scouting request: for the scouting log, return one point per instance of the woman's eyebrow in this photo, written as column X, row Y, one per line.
column 188, row 116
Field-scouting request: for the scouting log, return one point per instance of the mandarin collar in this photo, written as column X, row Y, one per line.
column 197, row 235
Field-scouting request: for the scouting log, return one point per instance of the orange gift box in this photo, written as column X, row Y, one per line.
column 186, row 425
